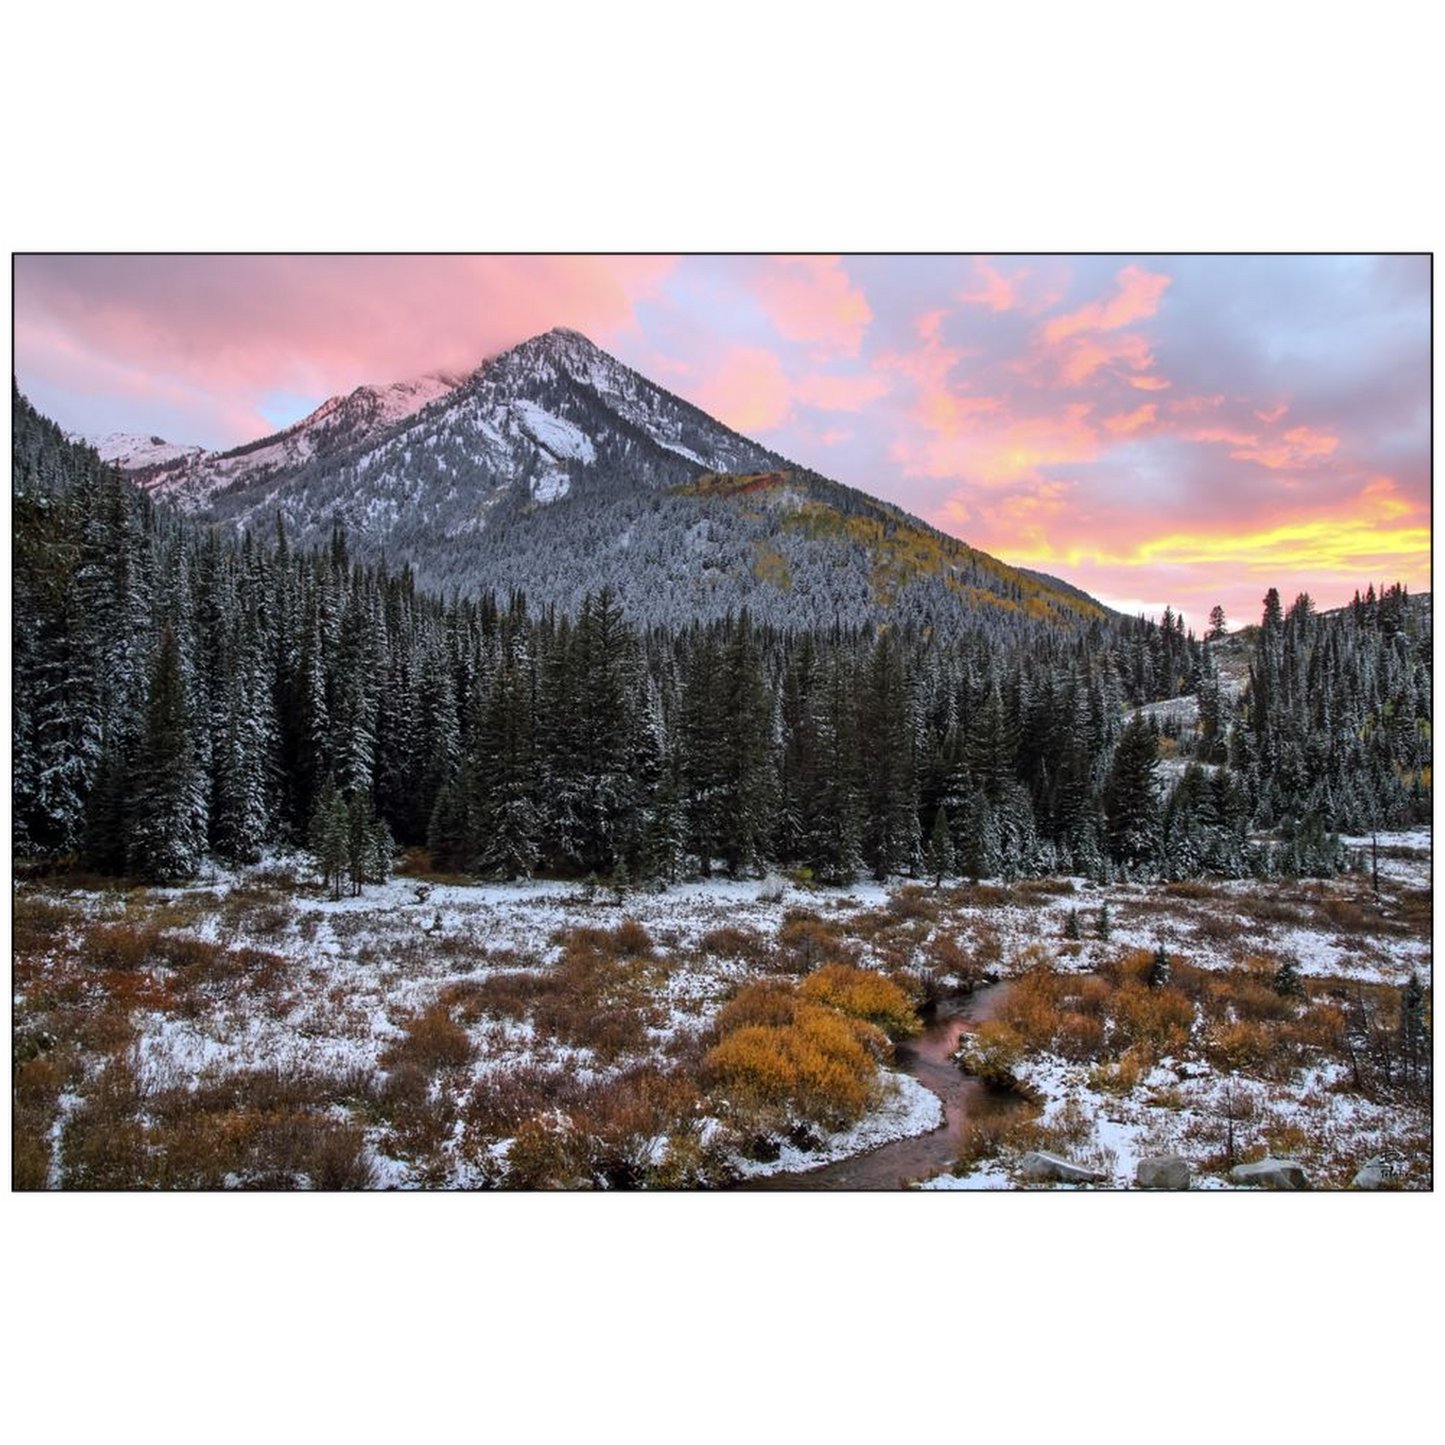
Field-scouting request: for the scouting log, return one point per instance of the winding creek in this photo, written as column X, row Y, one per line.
column 928, row 1058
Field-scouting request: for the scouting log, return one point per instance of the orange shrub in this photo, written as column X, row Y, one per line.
column 806, row 941
column 1124, row 1073
column 1161, row 1017
column 432, row 1041
column 1239, row 1045
column 1077, row 1036
column 548, row 1153
column 119, row 945
column 819, row 1066
column 744, row 943
column 771, row 1005
column 1032, row 1007
column 630, row 940
column 864, row 994
column 993, row 1052
column 1321, row 1027
column 946, row 956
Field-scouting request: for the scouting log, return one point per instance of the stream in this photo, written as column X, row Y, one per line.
column 928, row 1058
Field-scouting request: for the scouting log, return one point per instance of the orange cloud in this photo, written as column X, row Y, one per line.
column 1272, row 414
column 810, row 299
column 1127, row 422
column 991, row 451
column 1138, row 297
column 1148, row 383
column 1299, row 446
column 1382, row 497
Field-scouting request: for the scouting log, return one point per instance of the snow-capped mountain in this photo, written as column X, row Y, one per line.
column 138, row 453
column 557, row 469
column 189, row 475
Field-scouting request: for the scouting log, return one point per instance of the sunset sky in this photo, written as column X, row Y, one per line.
column 1182, row 430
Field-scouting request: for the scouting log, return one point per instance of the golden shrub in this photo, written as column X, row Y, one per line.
column 1032, row 1007
column 1241, row 1045
column 819, row 1065
column 1161, row 1017
column 862, row 993
column 1123, row 1074
column 769, row 1004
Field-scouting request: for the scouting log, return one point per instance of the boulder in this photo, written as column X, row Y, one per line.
column 1166, row 1171
column 1041, row 1167
column 1271, row 1174
column 1376, row 1174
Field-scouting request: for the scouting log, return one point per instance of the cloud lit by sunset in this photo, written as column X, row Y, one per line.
column 1181, row 430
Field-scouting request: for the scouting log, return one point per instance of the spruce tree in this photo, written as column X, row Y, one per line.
column 1131, row 805
column 940, row 849
column 1287, row 983
column 166, row 827
column 1160, row 971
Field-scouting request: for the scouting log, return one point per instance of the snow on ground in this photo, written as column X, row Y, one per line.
column 360, row 966
column 1179, row 1107
column 907, row 1109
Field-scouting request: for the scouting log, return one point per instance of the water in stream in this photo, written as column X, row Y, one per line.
column 929, row 1059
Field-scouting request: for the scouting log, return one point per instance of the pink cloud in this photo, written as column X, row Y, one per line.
column 1084, row 356
column 996, row 291
column 1194, row 405
column 811, row 300
column 1138, row 296
column 749, row 390
column 1128, row 422
column 1224, row 434
column 841, row 393
column 240, row 326
column 1299, row 446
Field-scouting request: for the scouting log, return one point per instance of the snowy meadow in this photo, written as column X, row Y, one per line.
column 247, row 1030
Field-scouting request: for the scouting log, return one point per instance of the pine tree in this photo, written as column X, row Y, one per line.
column 1071, row 924
column 1159, row 969
column 166, row 828
column 1104, row 927
column 1414, row 1031
column 1131, row 805
column 330, row 836
column 1287, row 982
column 940, row 849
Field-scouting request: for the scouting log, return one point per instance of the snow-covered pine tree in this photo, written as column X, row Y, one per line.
column 166, row 823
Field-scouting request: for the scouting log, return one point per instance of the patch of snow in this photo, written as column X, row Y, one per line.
column 558, row 436
column 908, row 1109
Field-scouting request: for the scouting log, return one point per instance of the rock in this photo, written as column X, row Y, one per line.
column 1037, row 1165
column 1271, row 1174
column 1166, row 1171
column 1376, row 1174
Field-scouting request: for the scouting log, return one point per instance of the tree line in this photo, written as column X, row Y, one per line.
column 178, row 696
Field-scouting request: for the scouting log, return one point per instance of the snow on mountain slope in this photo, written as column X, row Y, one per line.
column 189, row 475
column 135, row 453
column 557, row 469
